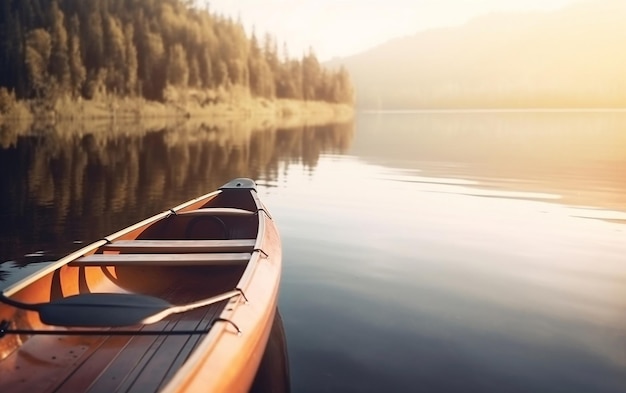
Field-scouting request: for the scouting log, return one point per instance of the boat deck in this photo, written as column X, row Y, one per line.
column 111, row 363
column 106, row 363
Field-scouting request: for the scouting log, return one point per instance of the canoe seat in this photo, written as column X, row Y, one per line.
column 213, row 259
column 191, row 246
column 218, row 211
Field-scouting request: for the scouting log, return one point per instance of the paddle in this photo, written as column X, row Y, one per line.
column 110, row 309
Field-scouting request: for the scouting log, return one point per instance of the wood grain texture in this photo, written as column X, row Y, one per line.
column 204, row 259
column 173, row 246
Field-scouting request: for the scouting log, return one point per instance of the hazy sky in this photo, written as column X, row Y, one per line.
column 344, row 27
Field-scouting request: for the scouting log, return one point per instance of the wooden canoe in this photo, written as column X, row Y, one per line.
column 182, row 301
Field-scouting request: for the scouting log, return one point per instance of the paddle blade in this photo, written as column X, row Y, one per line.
column 101, row 309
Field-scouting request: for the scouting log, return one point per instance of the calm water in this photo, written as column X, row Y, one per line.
column 450, row 252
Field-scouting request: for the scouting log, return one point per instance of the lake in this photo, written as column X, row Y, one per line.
column 423, row 251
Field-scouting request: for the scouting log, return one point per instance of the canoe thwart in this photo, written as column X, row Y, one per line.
column 213, row 259
column 223, row 246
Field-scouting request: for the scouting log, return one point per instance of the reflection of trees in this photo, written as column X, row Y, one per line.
column 514, row 139
column 9, row 132
column 579, row 155
column 4, row 275
column 61, row 187
column 307, row 143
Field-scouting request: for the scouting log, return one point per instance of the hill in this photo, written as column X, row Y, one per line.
column 572, row 57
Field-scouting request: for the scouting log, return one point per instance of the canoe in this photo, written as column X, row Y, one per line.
column 182, row 301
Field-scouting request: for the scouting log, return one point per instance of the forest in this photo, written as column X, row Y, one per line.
column 138, row 48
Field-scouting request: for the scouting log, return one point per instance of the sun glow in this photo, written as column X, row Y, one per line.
column 340, row 28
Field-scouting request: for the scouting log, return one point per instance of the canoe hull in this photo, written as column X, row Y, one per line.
column 223, row 360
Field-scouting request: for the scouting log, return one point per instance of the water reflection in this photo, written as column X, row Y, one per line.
column 425, row 252
column 578, row 156
column 440, row 255
column 396, row 288
column 273, row 373
column 69, row 185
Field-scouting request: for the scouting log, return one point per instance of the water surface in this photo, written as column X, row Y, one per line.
column 452, row 252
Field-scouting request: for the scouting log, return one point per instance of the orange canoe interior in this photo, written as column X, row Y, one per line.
column 136, row 363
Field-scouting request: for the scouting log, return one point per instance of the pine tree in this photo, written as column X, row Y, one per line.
column 205, row 69
column 177, row 68
column 38, row 49
column 59, row 68
column 311, row 72
column 131, row 60
column 78, row 73
column 115, row 48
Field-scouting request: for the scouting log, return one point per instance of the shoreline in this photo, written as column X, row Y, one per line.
column 180, row 108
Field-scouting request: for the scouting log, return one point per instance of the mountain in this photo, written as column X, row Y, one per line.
column 572, row 57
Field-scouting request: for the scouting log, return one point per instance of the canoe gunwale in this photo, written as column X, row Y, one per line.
column 91, row 248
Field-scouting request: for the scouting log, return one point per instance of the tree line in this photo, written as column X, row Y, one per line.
column 137, row 48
